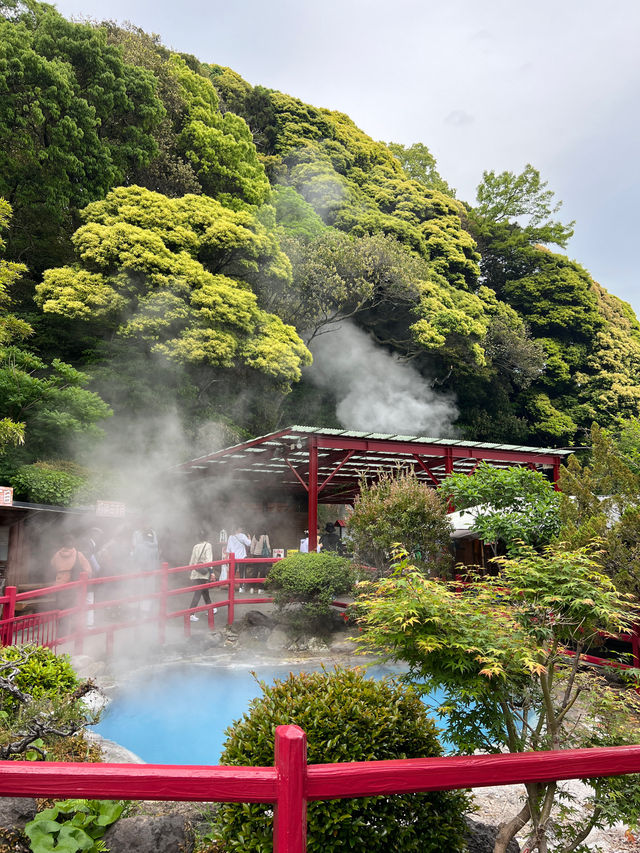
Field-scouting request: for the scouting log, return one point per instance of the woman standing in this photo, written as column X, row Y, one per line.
column 202, row 552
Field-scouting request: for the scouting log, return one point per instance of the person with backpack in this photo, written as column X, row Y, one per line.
column 69, row 563
column 202, row 552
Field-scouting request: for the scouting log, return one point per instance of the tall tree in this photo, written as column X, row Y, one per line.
column 175, row 276
column 420, row 165
column 74, row 120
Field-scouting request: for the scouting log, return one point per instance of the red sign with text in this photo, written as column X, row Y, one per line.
column 6, row 496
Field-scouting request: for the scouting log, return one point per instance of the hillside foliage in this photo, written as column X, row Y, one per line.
column 172, row 234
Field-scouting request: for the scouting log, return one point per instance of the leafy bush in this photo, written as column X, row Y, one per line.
column 40, row 674
column 73, row 825
column 400, row 510
column 47, row 483
column 306, row 584
column 42, row 714
column 347, row 717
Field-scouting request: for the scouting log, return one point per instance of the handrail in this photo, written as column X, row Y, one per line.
column 34, row 625
column 291, row 782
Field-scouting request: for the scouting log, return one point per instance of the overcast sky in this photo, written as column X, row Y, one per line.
column 485, row 84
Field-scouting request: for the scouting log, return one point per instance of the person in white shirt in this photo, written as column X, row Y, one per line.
column 237, row 544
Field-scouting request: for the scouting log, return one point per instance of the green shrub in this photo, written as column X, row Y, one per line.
column 47, row 483
column 40, row 673
column 42, row 712
column 347, row 717
column 306, row 584
column 398, row 509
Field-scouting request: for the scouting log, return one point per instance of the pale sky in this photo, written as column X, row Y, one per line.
column 485, row 84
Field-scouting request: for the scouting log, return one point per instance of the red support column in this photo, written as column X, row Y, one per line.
column 164, row 595
column 9, row 612
column 312, row 517
column 448, row 461
column 556, row 474
column 448, row 469
column 290, row 817
column 232, row 588
column 635, row 645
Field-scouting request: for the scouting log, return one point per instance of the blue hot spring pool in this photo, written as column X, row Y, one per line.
column 178, row 715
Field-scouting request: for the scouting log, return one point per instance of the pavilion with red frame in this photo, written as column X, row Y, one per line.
column 327, row 465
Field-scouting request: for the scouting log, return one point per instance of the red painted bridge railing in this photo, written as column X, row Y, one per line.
column 153, row 591
column 143, row 597
column 291, row 782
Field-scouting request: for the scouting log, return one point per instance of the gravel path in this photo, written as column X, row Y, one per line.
column 499, row 804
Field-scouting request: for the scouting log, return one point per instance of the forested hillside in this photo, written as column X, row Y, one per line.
column 174, row 239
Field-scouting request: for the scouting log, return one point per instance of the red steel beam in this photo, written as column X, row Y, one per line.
column 335, row 470
column 426, row 470
column 230, row 450
column 383, row 445
column 297, row 475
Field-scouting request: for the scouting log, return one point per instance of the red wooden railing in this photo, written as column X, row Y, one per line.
column 47, row 628
column 291, row 782
column 44, row 628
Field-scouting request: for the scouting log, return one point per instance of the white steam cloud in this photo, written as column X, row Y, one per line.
column 375, row 390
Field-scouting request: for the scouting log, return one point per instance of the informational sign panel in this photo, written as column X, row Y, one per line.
column 110, row 509
column 6, row 496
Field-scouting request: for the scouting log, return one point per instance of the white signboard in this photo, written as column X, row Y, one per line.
column 110, row 509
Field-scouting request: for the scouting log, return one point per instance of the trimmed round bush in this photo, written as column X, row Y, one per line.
column 306, row 584
column 347, row 717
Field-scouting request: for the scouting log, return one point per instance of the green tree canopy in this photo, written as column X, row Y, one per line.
column 497, row 649
column 74, row 119
column 600, row 503
column 45, row 407
column 420, row 165
column 515, row 505
column 176, row 274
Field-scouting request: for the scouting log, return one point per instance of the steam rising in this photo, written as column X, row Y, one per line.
column 375, row 390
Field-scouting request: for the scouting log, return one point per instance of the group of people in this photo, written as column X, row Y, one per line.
column 138, row 551
column 241, row 546
column 329, row 540
column 95, row 554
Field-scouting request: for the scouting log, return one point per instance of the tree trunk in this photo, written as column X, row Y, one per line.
column 507, row 831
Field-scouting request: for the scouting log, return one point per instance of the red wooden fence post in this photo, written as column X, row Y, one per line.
column 232, row 588
column 81, row 615
column 290, row 815
column 9, row 612
column 164, row 594
column 635, row 644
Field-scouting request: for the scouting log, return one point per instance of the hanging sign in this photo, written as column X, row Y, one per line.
column 110, row 509
column 6, row 496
